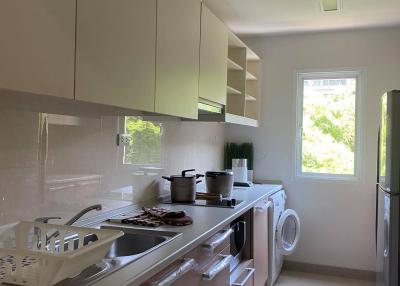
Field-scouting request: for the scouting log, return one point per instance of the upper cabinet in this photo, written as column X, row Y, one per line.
column 115, row 55
column 37, row 46
column 177, row 60
column 213, row 55
column 159, row 56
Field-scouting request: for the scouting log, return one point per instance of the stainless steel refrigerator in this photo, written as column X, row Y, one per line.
column 388, row 192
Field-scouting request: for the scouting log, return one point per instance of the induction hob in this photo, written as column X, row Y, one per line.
column 224, row 203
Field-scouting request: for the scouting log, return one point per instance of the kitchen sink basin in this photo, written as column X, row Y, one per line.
column 137, row 241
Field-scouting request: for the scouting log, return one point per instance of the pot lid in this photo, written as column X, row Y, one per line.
column 184, row 176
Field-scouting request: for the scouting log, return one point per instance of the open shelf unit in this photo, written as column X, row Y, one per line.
column 243, row 86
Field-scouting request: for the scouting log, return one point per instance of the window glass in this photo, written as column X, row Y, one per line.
column 145, row 145
column 328, row 129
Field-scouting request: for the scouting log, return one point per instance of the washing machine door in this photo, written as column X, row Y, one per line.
column 287, row 232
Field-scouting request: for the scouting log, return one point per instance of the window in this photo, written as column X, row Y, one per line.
column 327, row 132
column 145, row 143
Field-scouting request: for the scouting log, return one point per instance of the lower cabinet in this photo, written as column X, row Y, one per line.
column 210, row 262
column 207, row 264
column 260, row 241
column 243, row 275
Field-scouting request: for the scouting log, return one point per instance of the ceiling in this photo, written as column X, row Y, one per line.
column 294, row 16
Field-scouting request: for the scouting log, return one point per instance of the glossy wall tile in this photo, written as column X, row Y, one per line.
column 55, row 165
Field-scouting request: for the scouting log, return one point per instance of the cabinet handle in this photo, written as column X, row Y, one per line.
column 264, row 207
column 217, row 268
column 250, row 272
column 213, row 243
column 185, row 267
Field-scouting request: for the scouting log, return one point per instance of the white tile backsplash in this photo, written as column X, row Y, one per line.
column 56, row 165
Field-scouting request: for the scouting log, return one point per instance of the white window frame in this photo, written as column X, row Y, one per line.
column 327, row 74
column 121, row 150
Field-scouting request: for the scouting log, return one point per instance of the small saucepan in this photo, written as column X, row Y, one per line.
column 220, row 182
column 183, row 187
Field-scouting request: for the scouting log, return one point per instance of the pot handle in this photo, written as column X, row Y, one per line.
column 186, row 171
column 198, row 181
column 199, row 176
column 167, row 178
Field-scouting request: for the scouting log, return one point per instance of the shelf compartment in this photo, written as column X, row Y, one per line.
column 241, row 120
column 250, row 76
column 233, row 66
column 231, row 90
column 250, row 97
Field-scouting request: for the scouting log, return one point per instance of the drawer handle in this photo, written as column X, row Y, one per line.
column 264, row 207
column 213, row 243
column 186, row 266
column 250, row 272
column 217, row 268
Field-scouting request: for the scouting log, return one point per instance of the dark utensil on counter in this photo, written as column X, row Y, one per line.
column 208, row 196
column 183, row 187
column 220, row 182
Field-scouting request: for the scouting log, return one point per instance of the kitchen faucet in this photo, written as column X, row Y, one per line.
column 74, row 219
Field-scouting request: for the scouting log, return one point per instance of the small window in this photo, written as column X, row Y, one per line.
column 145, row 144
column 327, row 133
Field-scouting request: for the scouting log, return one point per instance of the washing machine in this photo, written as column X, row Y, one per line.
column 284, row 233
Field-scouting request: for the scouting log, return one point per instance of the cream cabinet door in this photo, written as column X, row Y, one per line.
column 178, row 51
column 115, row 57
column 260, row 241
column 37, row 46
column 213, row 58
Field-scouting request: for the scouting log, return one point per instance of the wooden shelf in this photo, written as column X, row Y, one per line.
column 251, row 56
column 231, row 90
column 241, row 120
column 250, row 97
column 232, row 66
column 250, row 76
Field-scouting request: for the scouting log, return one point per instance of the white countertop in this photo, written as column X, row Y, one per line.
column 207, row 221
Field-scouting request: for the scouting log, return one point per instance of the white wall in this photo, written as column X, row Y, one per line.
column 337, row 217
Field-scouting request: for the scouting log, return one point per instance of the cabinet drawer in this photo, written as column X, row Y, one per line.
column 204, row 253
column 186, row 271
column 216, row 272
column 244, row 274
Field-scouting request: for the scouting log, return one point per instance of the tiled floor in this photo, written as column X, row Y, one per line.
column 290, row 278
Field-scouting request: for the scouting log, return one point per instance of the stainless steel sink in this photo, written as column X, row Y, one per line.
column 137, row 241
column 134, row 244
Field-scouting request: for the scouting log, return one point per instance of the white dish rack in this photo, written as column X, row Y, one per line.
column 30, row 252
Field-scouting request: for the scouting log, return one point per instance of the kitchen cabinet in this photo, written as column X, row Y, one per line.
column 207, row 264
column 37, row 46
column 115, row 53
column 213, row 55
column 178, row 51
column 260, row 241
column 244, row 274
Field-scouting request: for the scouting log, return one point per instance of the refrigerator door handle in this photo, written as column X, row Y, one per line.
column 386, row 189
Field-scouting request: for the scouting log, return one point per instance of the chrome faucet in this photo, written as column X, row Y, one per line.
column 97, row 207
column 74, row 219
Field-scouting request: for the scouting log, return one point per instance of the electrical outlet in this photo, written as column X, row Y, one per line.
column 123, row 139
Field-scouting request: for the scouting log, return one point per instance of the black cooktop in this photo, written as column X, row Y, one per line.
column 224, row 203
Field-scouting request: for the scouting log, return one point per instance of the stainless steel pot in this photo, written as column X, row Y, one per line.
column 220, row 182
column 183, row 187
